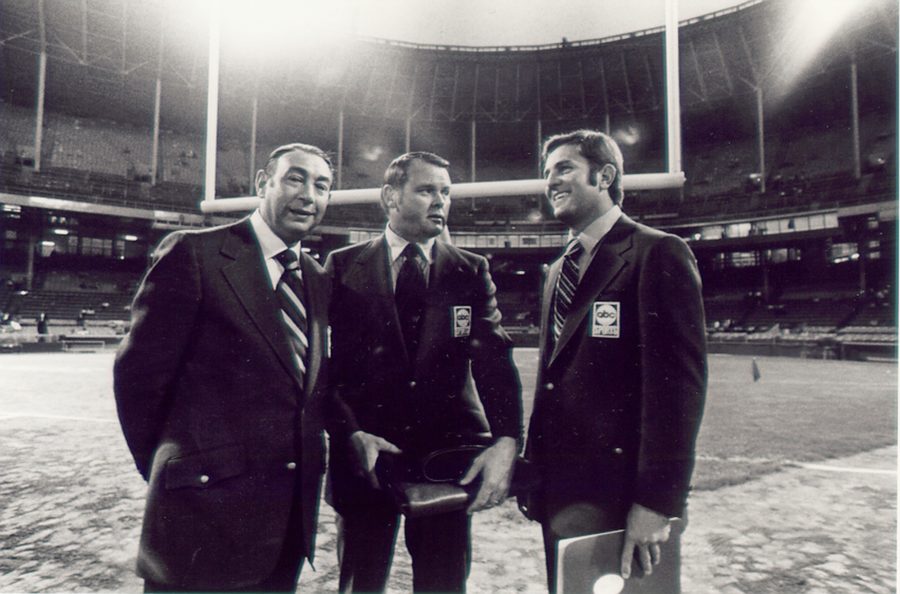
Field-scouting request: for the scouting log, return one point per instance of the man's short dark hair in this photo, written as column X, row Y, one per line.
column 398, row 171
column 599, row 149
column 271, row 164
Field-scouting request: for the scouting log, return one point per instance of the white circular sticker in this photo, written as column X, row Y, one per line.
column 610, row 583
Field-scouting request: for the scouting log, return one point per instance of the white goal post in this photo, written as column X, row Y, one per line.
column 673, row 178
column 517, row 187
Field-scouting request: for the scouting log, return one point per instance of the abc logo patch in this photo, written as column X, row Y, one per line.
column 462, row 320
column 605, row 319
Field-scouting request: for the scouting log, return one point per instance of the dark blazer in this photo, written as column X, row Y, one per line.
column 431, row 402
column 212, row 413
column 619, row 398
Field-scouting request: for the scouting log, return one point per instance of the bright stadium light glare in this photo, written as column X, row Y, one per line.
column 266, row 28
column 810, row 25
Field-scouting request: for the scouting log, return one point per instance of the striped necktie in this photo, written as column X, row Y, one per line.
column 290, row 298
column 565, row 286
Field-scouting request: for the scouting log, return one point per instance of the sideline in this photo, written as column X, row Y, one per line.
column 847, row 469
column 55, row 417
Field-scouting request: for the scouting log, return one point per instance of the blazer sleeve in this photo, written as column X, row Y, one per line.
column 148, row 362
column 674, row 374
column 493, row 369
column 340, row 421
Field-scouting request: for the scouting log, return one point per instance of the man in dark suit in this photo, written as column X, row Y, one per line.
column 622, row 371
column 415, row 330
column 220, row 387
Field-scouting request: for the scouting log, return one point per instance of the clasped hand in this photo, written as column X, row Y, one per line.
column 495, row 466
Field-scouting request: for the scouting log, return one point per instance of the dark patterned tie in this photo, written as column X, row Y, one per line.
column 565, row 287
column 410, row 297
column 290, row 298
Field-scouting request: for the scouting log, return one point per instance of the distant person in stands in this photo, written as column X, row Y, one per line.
column 420, row 363
column 622, row 367
column 219, row 387
column 43, row 329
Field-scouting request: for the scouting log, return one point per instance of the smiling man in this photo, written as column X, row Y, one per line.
column 220, row 387
column 414, row 322
column 622, row 367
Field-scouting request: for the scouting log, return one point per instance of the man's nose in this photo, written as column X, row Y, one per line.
column 307, row 190
column 552, row 183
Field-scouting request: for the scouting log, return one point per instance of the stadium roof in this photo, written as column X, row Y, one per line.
column 104, row 57
column 518, row 22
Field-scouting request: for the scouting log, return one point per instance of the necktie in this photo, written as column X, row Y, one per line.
column 410, row 297
column 565, row 286
column 290, row 298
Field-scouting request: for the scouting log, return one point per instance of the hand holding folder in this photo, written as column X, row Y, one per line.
column 591, row 565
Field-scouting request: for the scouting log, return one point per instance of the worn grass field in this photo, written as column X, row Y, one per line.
column 800, row 410
column 71, row 501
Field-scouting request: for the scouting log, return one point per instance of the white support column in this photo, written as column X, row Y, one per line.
column 212, row 104
column 154, row 150
column 253, row 124
column 854, row 118
column 673, row 89
column 472, row 151
column 408, row 135
column 761, row 139
column 39, row 117
column 340, row 150
column 42, row 88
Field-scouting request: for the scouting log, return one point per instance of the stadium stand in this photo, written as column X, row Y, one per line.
column 807, row 260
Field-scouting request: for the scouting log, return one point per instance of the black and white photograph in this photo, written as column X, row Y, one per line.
column 575, row 297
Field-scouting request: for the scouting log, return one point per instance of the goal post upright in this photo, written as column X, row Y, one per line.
column 672, row 177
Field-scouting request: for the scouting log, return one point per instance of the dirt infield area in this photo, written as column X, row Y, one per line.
column 71, row 505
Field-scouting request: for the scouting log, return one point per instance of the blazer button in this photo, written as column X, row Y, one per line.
column 291, row 465
column 617, row 450
column 549, row 386
column 204, row 478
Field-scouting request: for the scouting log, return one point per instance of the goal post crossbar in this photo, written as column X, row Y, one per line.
column 487, row 189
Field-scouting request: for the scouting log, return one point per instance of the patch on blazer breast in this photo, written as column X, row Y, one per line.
column 605, row 319
column 462, row 320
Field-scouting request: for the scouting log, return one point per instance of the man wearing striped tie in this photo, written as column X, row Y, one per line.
column 622, row 369
column 219, row 387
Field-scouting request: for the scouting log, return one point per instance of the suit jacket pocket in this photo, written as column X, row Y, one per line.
column 202, row 470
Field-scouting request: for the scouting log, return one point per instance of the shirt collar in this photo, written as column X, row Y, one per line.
column 597, row 230
column 271, row 244
column 397, row 243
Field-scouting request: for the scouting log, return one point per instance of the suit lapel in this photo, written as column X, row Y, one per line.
column 247, row 277
column 316, row 306
column 546, row 303
column 605, row 265
column 372, row 275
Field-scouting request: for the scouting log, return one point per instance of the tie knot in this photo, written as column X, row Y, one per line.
column 288, row 259
column 574, row 250
column 412, row 252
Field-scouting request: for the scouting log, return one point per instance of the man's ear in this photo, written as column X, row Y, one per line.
column 388, row 197
column 606, row 176
column 261, row 180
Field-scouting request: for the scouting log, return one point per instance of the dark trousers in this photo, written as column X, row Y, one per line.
column 438, row 545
